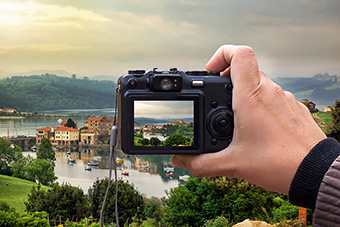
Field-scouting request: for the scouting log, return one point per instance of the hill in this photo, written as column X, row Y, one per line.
column 322, row 89
column 16, row 191
column 50, row 92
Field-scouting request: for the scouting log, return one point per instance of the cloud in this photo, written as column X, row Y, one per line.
column 164, row 109
column 33, row 13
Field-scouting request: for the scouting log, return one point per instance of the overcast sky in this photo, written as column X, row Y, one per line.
column 108, row 37
column 164, row 109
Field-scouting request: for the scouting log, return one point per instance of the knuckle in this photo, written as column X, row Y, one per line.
column 246, row 50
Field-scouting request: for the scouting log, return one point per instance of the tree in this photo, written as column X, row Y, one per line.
column 74, row 76
column 63, row 200
column 70, row 123
column 334, row 129
column 144, row 141
column 8, row 156
column 130, row 202
column 45, row 151
column 42, row 171
column 154, row 141
column 177, row 139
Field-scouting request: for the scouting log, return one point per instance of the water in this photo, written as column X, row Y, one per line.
column 28, row 126
column 152, row 183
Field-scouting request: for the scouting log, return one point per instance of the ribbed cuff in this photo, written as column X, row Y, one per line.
column 306, row 182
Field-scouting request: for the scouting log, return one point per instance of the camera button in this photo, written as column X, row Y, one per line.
column 214, row 141
column 132, row 83
column 228, row 88
column 197, row 83
column 213, row 104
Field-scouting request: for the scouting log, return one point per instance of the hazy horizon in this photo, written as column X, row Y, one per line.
column 109, row 37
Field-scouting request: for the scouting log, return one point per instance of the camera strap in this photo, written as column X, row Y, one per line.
column 112, row 159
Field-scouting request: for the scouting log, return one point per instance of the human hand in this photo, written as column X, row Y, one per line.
column 273, row 131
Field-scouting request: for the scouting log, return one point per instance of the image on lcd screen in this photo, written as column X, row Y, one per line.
column 163, row 123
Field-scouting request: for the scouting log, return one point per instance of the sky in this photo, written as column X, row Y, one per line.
column 164, row 109
column 108, row 37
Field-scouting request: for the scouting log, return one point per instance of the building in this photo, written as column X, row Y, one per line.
column 63, row 136
column 66, row 136
column 102, row 125
column 88, row 137
column 310, row 105
column 8, row 110
column 47, row 132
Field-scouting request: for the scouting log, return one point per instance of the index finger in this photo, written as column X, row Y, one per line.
column 243, row 65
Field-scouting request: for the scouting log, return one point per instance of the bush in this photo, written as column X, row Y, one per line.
column 24, row 219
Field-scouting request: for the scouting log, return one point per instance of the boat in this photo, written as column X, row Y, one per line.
column 168, row 169
column 88, row 168
column 68, row 153
column 97, row 158
column 170, row 174
column 124, row 173
column 92, row 164
column 34, row 148
column 184, row 177
column 120, row 159
column 71, row 160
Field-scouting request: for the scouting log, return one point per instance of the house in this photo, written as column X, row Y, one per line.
column 310, row 105
column 8, row 110
column 47, row 132
column 101, row 124
column 66, row 136
column 88, row 136
column 63, row 136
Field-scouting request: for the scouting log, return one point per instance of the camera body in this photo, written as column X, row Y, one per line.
column 174, row 112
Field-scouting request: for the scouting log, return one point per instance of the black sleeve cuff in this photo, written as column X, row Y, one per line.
column 306, row 182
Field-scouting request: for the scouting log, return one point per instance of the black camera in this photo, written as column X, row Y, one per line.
column 174, row 112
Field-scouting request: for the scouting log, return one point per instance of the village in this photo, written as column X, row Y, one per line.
column 95, row 132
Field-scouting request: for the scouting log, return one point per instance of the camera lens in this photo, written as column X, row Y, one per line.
column 166, row 83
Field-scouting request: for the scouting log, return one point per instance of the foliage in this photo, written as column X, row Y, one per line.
column 8, row 155
column 203, row 199
column 4, row 206
column 154, row 141
column 23, row 219
column 334, row 129
column 177, row 139
column 284, row 211
column 70, row 123
column 220, row 221
column 152, row 208
column 130, row 203
column 42, row 171
column 63, row 200
column 53, row 92
column 45, row 151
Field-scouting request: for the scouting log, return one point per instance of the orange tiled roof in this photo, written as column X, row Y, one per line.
column 88, row 131
column 95, row 118
column 63, row 122
column 63, row 128
column 46, row 128
column 108, row 120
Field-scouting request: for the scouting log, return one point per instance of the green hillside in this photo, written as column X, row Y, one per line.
column 49, row 92
column 16, row 191
column 322, row 89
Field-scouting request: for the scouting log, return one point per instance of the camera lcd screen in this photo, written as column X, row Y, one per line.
column 163, row 123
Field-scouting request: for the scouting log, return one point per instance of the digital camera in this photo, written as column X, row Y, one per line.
column 174, row 112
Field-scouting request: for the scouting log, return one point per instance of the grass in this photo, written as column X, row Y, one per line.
column 16, row 192
column 324, row 119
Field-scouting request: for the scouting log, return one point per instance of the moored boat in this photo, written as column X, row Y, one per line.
column 92, row 164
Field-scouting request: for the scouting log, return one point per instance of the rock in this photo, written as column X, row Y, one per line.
column 248, row 223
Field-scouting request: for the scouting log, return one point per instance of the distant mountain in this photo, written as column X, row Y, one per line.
column 150, row 121
column 50, row 92
column 62, row 73
column 322, row 89
column 104, row 77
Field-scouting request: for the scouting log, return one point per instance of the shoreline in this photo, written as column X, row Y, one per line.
column 11, row 117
